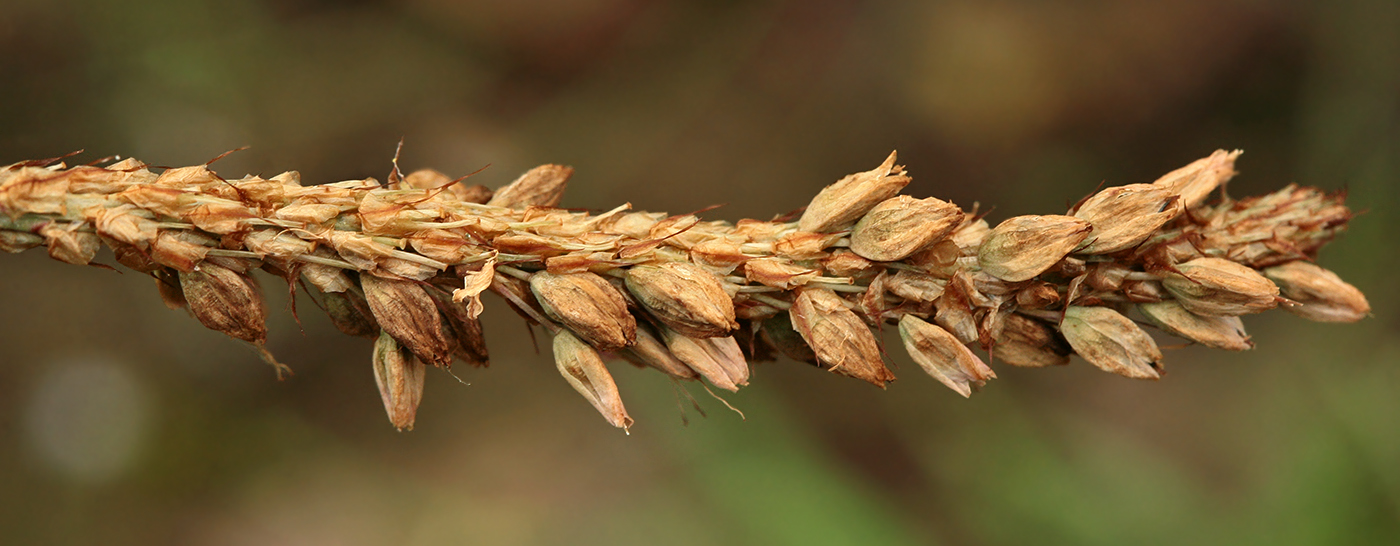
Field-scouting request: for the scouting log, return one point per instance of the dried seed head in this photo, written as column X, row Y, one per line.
column 404, row 310
column 1194, row 182
column 1111, row 341
column 1029, row 343
column 684, row 297
column 903, row 225
column 717, row 359
column 1025, row 246
column 399, row 376
column 1217, row 332
column 942, row 356
column 953, row 312
column 224, row 300
column 839, row 337
column 583, row 368
column 1219, row 287
column 1324, row 297
column 839, row 205
column 650, row 351
column 542, row 186
column 1125, row 216
column 350, row 314
column 587, row 304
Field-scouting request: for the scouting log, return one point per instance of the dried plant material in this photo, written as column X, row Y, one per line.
column 226, row 301
column 1196, row 181
column 350, row 314
column 1028, row 343
column 1216, row 332
column 1320, row 294
column 583, row 368
column 650, row 351
column 717, row 359
column 1220, row 287
column 399, row 375
column 841, row 340
column 839, row 205
column 902, row 225
column 385, row 257
column 588, row 305
column 942, row 356
column 1111, row 342
column 541, row 186
column 1125, row 216
column 406, row 311
column 1023, row 247
column 67, row 244
column 684, row 297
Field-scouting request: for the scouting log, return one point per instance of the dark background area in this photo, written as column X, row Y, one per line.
column 122, row 422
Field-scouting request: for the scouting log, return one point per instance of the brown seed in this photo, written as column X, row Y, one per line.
column 839, row 205
column 1025, row 246
column 1217, row 332
column 1029, row 343
column 685, row 297
column 942, row 356
column 1322, row 295
column 717, row 359
column 840, row 339
column 915, row 286
column 1037, row 296
column 168, row 285
column 1111, row 342
column 226, row 301
column 583, row 368
column 1196, row 181
column 1220, row 287
column 902, row 225
column 404, row 310
column 542, row 186
column 15, row 242
column 399, row 375
column 587, row 304
column 1125, row 216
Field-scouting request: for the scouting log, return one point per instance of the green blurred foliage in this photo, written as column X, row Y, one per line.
column 125, row 423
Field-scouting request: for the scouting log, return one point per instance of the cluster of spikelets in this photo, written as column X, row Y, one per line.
column 406, row 262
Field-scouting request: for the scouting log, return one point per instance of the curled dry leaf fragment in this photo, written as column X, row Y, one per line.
column 1321, row 295
column 583, row 368
column 1111, row 341
column 399, row 375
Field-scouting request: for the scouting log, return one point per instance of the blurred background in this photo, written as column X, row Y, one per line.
column 122, row 422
